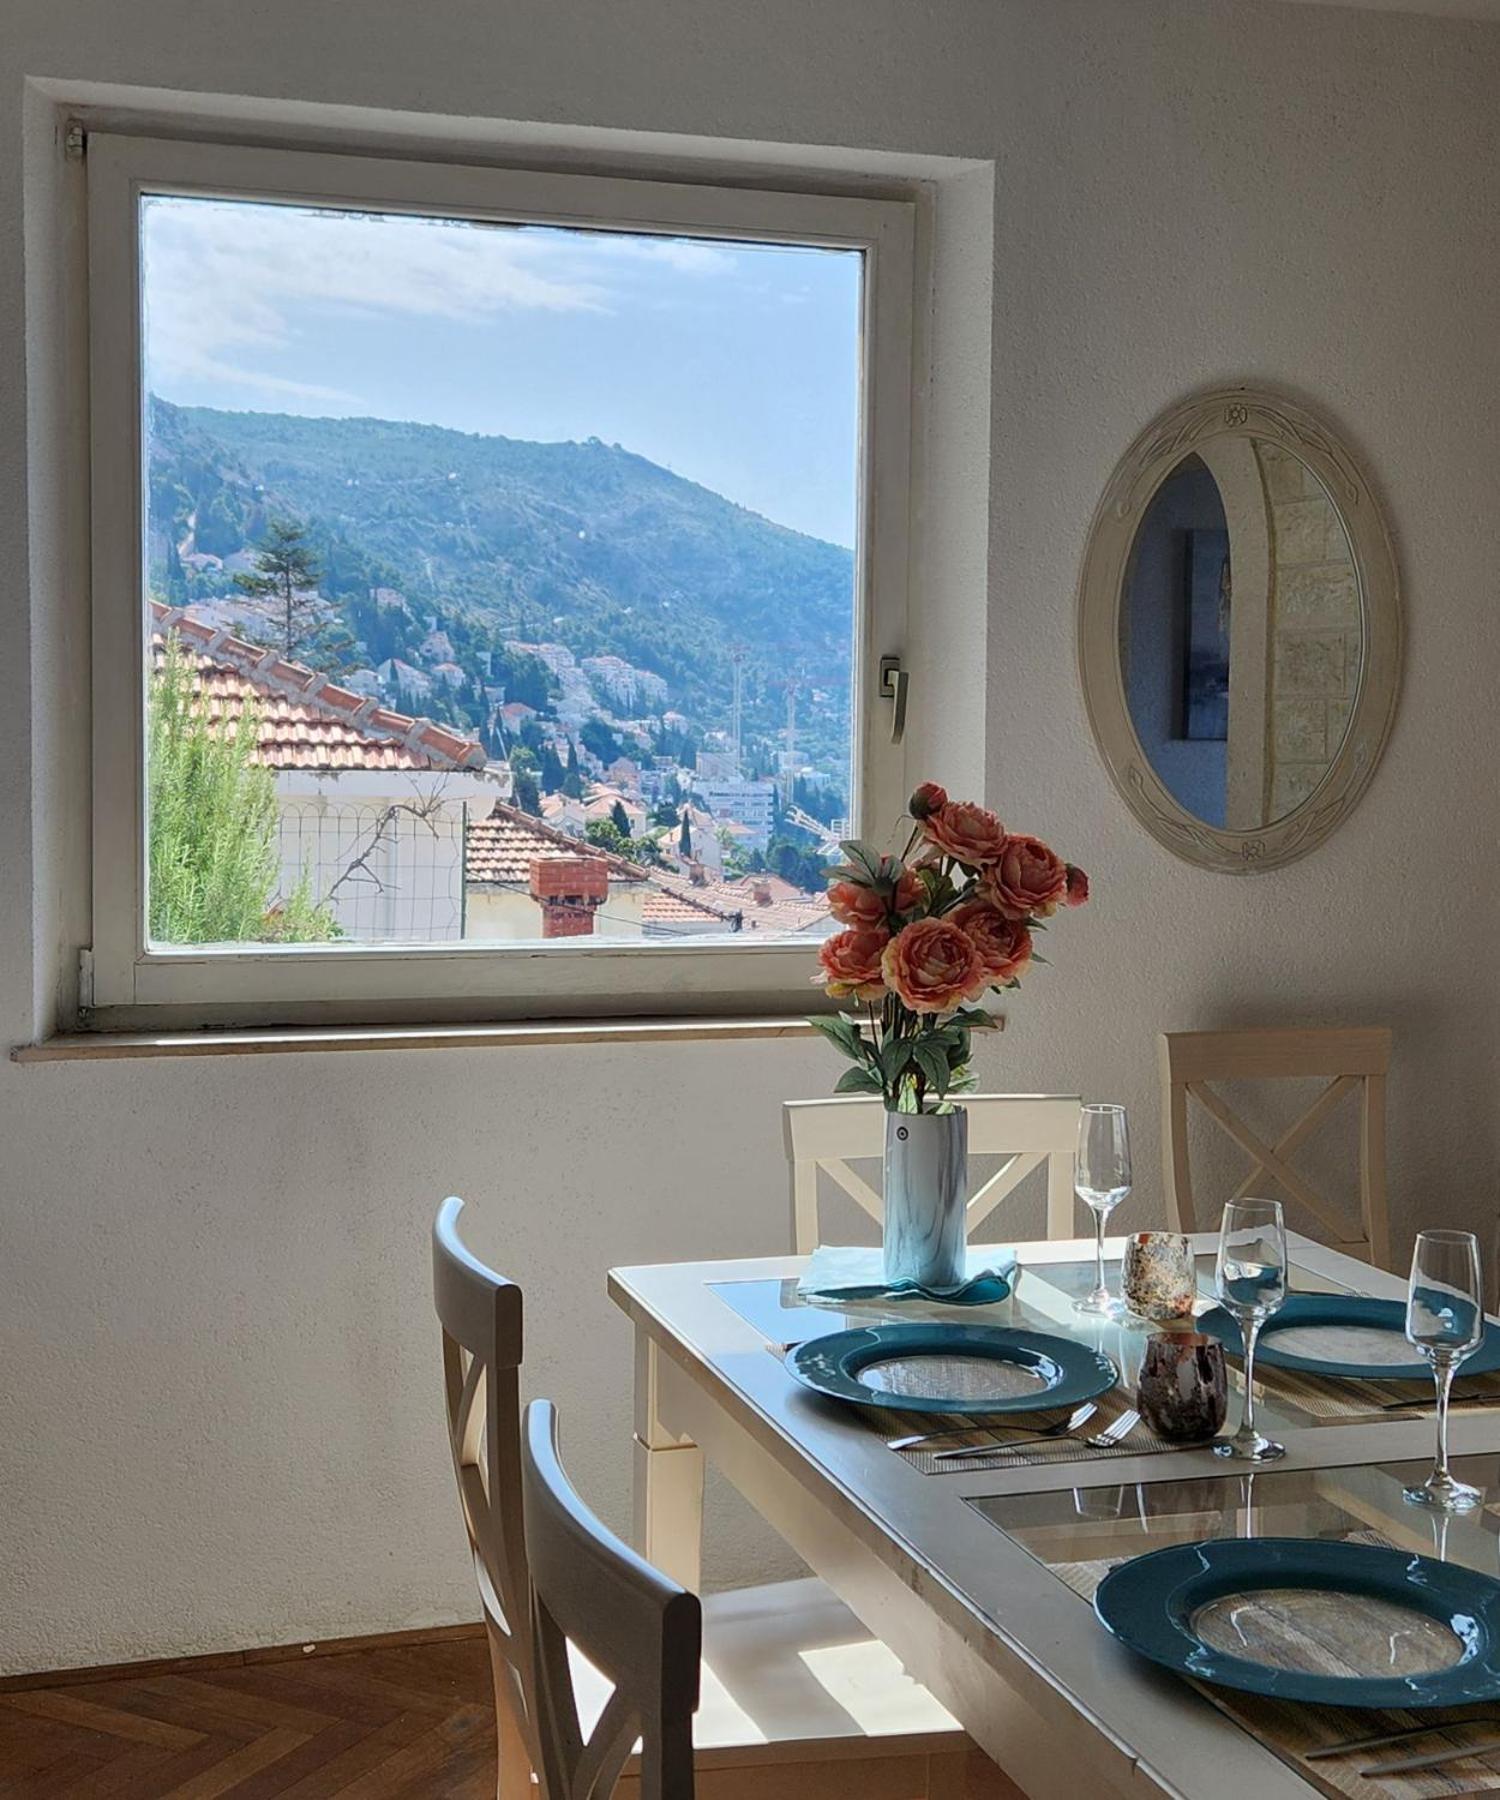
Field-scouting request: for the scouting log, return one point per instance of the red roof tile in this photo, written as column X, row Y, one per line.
column 502, row 848
column 307, row 721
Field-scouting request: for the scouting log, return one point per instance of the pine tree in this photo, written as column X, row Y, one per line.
column 284, row 590
column 685, row 836
column 525, row 796
column 621, row 819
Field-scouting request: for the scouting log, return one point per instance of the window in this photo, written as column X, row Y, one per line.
column 491, row 575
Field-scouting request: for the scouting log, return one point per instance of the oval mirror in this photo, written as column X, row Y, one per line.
column 1239, row 631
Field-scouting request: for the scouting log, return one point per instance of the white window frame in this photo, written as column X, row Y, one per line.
column 133, row 980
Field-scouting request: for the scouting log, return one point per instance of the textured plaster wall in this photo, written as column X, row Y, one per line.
column 218, row 1419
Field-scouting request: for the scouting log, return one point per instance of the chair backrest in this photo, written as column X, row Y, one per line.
column 1027, row 1129
column 480, row 1313
column 640, row 1630
column 1350, row 1059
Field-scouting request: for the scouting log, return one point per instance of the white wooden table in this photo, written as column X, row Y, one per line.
column 1017, row 1659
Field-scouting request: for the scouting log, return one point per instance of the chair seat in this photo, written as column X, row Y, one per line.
column 788, row 1665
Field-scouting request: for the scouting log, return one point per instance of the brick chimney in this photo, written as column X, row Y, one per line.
column 569, row 890
column 760, row 893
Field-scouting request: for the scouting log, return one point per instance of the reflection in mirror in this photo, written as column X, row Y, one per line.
column 1240, row 632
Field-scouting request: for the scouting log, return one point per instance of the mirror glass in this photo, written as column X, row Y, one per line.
column 1241, row 632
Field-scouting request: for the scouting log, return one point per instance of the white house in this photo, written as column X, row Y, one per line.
column 373, row 801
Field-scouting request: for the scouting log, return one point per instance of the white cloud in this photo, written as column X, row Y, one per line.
column 227, row 283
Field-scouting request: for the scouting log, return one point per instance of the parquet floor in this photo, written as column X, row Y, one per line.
column 386, row 1723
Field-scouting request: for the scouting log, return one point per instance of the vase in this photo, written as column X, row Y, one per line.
column 926, row 1198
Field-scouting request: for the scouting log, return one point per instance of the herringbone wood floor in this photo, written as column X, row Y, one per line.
column 385, row 1723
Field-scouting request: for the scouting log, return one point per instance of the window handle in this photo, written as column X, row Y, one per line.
column 894, row 685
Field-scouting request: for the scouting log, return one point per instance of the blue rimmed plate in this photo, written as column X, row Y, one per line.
column 1184, row 1605
column 947, row 1368
column 1350, row 1312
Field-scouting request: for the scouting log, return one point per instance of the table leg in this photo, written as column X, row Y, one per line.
column 668, row 1477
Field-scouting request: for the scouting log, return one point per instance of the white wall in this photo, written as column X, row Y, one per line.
column 218, row 1412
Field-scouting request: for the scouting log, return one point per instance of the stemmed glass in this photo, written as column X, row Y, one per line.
column 1445, row 1321
column 1250, row 1279
column 1101, row 1179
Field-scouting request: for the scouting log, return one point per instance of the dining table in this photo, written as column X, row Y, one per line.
column 978, row 1573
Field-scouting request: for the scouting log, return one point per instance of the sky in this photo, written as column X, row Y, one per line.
column 735, row 365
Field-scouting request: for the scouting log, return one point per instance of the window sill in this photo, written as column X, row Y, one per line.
column 302, row 1040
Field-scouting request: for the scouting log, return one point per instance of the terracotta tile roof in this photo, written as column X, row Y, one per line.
column 789, row 908
column 307, row 721
column 502, row 848
column 673, row 902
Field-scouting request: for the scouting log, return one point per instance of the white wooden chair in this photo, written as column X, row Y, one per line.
column 1352, row 1059
column 1028, row 1130
column 796, row 1696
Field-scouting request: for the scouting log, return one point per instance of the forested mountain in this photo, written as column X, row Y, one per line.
column 581, row 544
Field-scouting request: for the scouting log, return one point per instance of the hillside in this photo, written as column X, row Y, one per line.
column 496, row 539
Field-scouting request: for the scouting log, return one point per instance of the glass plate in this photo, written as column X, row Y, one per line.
column 1333, row 1624
column 943, row 1368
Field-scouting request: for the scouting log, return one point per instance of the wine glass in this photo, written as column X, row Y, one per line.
column 1250, row 1279
column 1101, row 1179
column 1445, row 1321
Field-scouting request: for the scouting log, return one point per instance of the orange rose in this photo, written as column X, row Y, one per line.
column 968, row 833
column 1078, row 886
column 931, row 966
column 851, row 963
column 929, row 798
column 1028, row 880
column 856, row 905
column 1003, row 945
column 910, row 893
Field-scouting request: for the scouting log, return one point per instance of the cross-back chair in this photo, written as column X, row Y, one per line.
column 1028, row 1130
column 640, row 1630
column 900, row 1746
column 480, row 1314
column 1352, row 1060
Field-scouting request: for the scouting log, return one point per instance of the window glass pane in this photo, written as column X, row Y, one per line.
column 500, row 580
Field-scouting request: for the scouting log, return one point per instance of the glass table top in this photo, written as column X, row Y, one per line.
column 1077, row 1532
column 1041, row 1300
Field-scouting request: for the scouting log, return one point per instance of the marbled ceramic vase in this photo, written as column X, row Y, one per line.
column 926, row 1198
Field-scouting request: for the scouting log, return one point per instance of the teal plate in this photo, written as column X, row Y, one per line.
column 1155, row 1604
column 1310, row 1310
column 840, row 1365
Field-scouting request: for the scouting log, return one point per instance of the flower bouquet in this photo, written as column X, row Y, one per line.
column 926, row 935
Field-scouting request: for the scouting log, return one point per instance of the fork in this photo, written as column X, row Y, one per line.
column 1079, row 1416
column 1103, row 1440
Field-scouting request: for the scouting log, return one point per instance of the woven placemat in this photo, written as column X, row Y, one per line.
column 1333, row 1397
column 1292, row 1730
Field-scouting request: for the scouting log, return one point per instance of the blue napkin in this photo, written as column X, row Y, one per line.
column 852, row 1272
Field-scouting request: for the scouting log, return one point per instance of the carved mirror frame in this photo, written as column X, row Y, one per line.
column 1240, row 412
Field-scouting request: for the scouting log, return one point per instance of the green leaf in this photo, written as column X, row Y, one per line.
column 975, row 1018
column 841, row 1033
column 858, row 1081
column 894, row 1057
column 933, row 1063
column 863, row 858
column 963, row 1081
